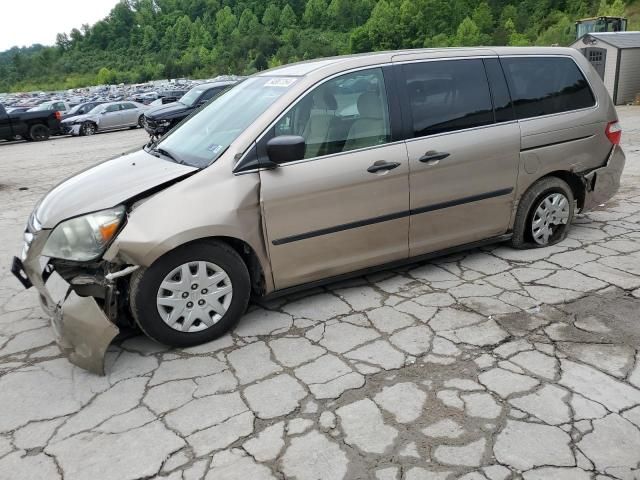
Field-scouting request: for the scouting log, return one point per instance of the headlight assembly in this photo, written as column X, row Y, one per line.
column 84, row 238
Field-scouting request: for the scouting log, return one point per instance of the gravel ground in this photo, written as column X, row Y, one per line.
column 491, row 364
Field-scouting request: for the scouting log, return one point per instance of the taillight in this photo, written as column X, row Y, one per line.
column 614, row 132
column 58, row 115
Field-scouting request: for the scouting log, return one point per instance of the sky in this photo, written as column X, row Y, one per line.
column 25, row 22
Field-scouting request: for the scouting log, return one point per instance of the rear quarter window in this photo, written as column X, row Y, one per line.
column 546, row 85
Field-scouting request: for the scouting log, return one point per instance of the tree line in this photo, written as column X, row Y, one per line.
column 141, row 40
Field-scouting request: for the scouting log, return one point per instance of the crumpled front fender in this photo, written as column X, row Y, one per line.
column 83, row 332
column 81, row 328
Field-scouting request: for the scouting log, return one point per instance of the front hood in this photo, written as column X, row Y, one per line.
column 77, row 118
column 166, row 110
column 107, row 185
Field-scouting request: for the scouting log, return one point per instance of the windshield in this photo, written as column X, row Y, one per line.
column 191, row 96
column 96, row 109
column 74, row 110
column 204, row 137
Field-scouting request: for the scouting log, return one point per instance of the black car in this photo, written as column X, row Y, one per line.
column 159, row 120
column 32, row 126
column 168, row 96
column 81, row 109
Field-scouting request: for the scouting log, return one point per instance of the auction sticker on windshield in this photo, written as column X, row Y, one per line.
column 280, row 82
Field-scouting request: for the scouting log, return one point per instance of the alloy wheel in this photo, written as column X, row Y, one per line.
column 88, row 129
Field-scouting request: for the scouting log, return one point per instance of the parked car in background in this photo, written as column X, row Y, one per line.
column 168, row 96
column 148, row 97
column 105, row 117
column 32, row 125
column 81, row 109
column 159, row 120
column 52, row 105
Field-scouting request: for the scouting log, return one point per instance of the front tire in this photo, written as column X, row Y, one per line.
column 544, row 214
column 88, row 129
column 191, row 295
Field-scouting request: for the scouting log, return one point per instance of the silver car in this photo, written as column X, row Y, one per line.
column 105, row 117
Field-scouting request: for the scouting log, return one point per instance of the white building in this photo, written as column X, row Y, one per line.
column 616, row 57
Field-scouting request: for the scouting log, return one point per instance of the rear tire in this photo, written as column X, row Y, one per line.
column 141, row 121
column 39, row 133
column 152, row 291
column 544, row 214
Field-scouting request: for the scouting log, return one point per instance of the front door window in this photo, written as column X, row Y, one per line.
column 346, row 113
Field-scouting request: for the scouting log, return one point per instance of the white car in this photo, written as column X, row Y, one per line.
column 105, row 117
column 54, row 105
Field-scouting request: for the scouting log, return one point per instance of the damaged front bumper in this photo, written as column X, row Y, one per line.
column 82, row 329
column 603, row 183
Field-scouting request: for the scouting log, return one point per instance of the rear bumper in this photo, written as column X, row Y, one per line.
column 81, row 328
column 603, row 183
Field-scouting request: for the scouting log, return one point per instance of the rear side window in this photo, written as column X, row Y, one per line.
column 448, row 95
column 546, row 85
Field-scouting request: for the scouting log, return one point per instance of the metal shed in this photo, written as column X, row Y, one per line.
column 616, row 57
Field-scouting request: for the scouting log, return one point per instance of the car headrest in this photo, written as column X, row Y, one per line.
column 369, row 105
column 323, row 99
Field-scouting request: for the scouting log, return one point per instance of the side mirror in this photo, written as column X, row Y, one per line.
column 286, row 148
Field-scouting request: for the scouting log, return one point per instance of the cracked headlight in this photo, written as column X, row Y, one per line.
column 84, row 238
column 163, row 123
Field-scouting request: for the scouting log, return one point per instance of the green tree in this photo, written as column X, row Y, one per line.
column 468, row 33
column 226, row 22
column 288, row 18
column 483, row 18
column 271, row 17
column 315, row 13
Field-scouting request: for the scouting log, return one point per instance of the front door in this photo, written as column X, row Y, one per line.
column 463, row 157
column 111, row 117
column 345, row 206
column 129, row 114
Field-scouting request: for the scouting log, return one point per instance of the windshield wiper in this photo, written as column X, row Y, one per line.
column 165, row 153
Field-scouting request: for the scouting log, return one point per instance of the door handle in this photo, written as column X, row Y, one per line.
column 432, row 155
column 382, row 165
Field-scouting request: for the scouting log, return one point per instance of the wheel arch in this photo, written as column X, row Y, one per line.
column 251, row 260
column 259, row 273
column 575, row 182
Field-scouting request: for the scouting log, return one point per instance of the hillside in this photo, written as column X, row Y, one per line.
column 152, row 39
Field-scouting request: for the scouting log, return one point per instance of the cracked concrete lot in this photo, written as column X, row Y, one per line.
column 491, row 364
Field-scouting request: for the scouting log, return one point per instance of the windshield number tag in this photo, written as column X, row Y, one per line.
column 280, row 82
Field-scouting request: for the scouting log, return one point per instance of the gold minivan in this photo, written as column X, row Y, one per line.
column 311, row 172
